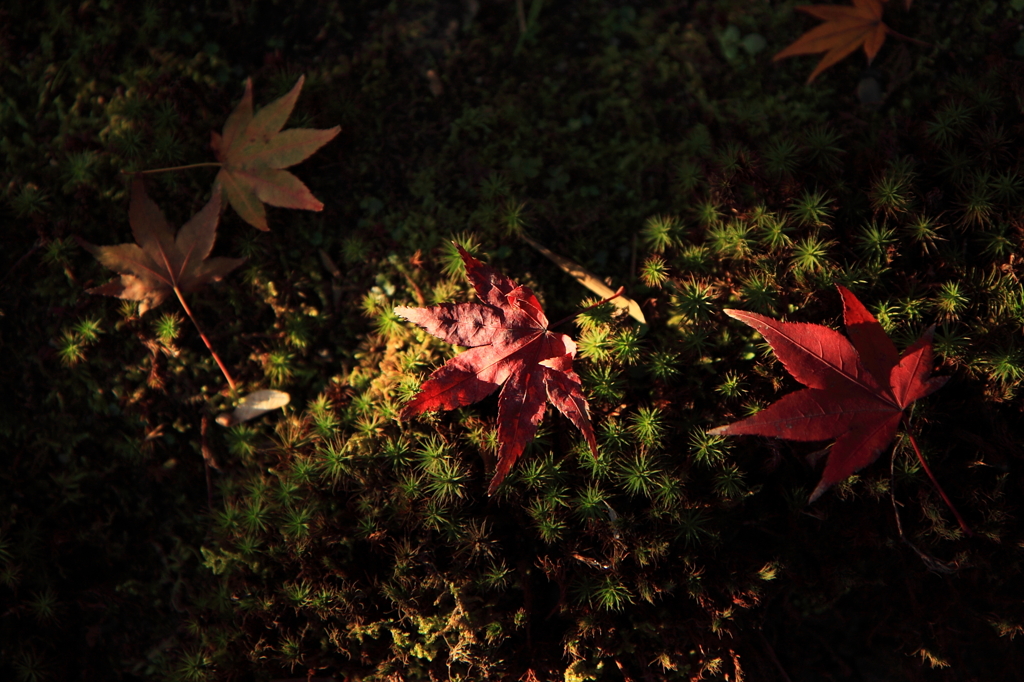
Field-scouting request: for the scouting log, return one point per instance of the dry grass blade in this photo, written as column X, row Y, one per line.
column 590, row 281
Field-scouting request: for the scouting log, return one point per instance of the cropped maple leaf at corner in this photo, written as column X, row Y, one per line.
column 845, row 29
column 509, row 343
column 858, row 388
column 253, row 151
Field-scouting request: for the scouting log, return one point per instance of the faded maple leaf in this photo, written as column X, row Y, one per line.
column 845, row 29
column 509, row 343
column 160, row 263
column 856, row 393
column 253, row 150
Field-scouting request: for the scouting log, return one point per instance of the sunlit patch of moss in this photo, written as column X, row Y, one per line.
column 451, row 262
column 707, row 449
column 694, row 258
column 167, row 327
column 811, row 209
column 660, row 232
column 875, row 241
column 774, row 231
column 627, row 346
column 811, row 255
column 663, row 365
column 71, row 348
column 694, row 300
column 654, row 272
column 596, row 344
column 707, row 213
column 923, row 231
column 279, row 366
column 731, row 239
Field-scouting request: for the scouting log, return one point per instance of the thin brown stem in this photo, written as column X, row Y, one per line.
column 573, row 316
column 935, row 482
column 206, row 164
column 933, row 564
column 208, row 461
column 914, row 41
column 771, row 654
column 223, row 368
column 420, row 298
column 521, row 16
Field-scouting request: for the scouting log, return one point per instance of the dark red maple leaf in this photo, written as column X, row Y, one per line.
column 856, row 393
column 509, row 343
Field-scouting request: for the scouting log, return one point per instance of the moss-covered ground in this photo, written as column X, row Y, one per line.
column 654, row 143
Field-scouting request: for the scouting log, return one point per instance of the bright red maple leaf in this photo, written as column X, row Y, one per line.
column 509, row 343
column 856, row 393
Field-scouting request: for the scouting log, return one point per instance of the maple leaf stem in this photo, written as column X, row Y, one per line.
column 573, row 316
column 927, row 470
column 914, row 41
column 420, row 298
column 188, row 311
column 205, row 164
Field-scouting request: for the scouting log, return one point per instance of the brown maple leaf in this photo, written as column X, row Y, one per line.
column 253, row 151
column 509, row 343
column 845, row 29
column 160, row 263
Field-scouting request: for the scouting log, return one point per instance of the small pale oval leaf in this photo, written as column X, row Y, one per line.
column 254, row 405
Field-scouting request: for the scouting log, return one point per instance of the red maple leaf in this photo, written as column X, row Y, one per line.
column 509, row 343
column 856, row 393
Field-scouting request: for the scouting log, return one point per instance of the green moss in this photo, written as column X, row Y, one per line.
column 344, row 539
